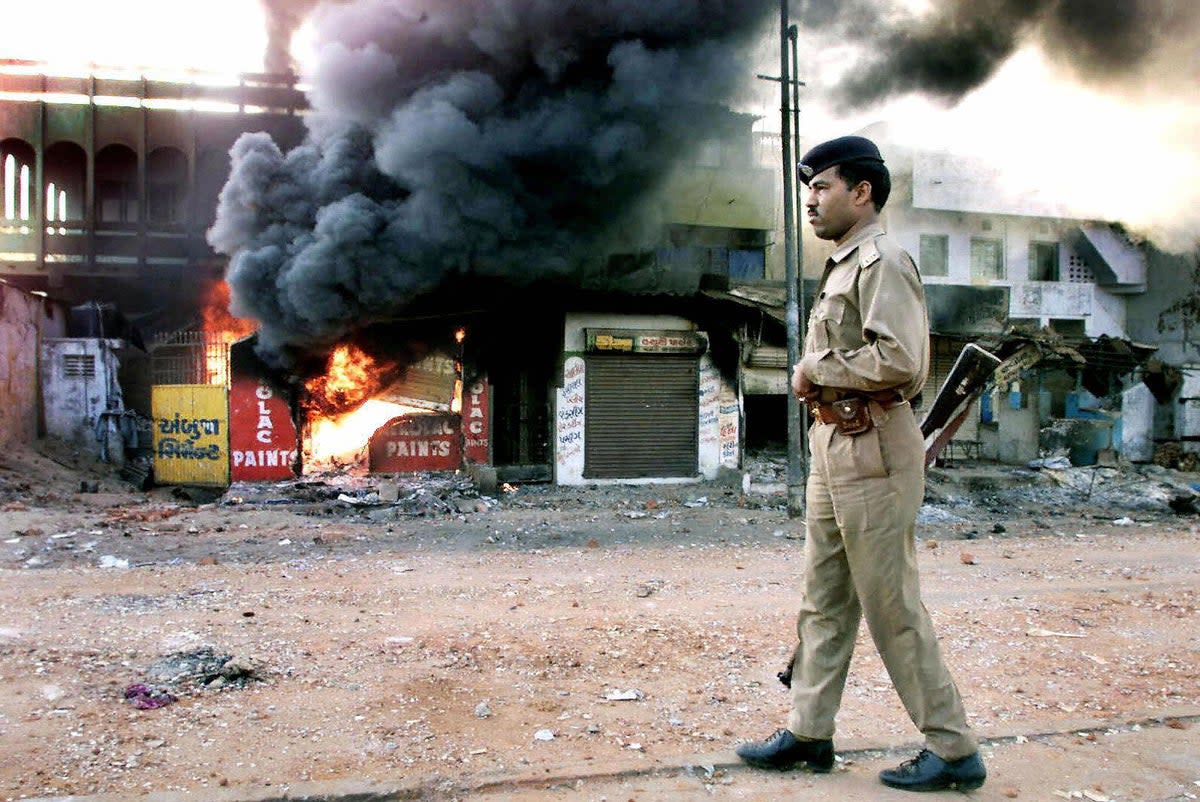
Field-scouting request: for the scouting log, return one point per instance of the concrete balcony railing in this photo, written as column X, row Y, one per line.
column 1051, row 299
column 72, row 243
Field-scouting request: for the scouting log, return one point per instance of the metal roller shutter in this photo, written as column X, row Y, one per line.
column 642, row 416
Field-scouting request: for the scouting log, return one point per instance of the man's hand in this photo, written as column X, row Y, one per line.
column 804, row 389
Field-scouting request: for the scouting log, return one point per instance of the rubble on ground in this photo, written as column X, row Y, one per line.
column 1053, row 485
column 1173, row 455
column 954, row 492
column 204, row 667
column 375, row 497
column 182, row 673
column 958, row 492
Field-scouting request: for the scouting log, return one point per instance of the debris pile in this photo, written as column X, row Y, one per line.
column 203, row 667
column 183, row 672
column 377, row 497
column 767, row 469
column 1053, row 484
column 144, row 697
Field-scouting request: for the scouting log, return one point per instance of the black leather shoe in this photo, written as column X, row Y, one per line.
column 928, row 772
column 783, row 751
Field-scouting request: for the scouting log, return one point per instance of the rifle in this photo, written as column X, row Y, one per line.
column 965, row 383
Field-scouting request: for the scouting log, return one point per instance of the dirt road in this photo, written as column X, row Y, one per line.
column 603, row 644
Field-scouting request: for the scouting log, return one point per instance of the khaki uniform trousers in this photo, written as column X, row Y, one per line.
column 862, row 500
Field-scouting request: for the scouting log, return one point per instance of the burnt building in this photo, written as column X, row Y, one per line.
column 109, row 181
column 634, row 377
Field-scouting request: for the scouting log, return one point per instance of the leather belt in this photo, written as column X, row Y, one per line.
column 829, row 413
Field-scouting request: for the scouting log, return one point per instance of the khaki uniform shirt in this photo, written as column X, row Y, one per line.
column 869, row 328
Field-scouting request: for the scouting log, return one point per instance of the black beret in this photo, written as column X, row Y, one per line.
column 837, row 151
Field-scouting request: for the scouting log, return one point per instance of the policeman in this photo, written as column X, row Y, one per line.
column 865, row 356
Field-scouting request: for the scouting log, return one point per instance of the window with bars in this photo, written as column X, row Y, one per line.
column 190, row 357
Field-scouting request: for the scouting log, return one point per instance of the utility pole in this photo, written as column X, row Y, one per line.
column 793, row 37
column 795, row 463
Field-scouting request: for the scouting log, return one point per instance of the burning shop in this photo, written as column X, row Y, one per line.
column 222, row 413
column 470, row 167
column 569, row 397
column 364, row 412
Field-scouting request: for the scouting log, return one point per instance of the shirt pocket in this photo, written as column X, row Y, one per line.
column 826, row 318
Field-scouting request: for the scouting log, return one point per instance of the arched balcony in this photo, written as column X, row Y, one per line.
column 65, row 176
column 166, row 188
column 18, row 200
column 64, row 205
column 117, row 198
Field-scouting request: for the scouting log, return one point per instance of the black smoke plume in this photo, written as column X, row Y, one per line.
column 283, row 18
column 1127, row 45
column 470, row 140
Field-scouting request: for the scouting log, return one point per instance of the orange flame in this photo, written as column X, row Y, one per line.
column 218, row 322
column 342, row 438
column 343, row 407
column 221, row 329
column 352, row 377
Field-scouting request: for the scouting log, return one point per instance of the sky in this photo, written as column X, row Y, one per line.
column 1113, row 152
column 1109, row 156
column 1118, row 143
column 221, row 36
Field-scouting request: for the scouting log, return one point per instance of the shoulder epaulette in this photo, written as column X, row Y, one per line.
column 868, row 254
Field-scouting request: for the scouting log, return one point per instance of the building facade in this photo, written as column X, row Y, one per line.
column 110, row 180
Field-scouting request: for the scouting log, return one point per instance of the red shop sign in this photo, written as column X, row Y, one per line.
column 415, row 443
column 262, row 435
column 477, row 423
